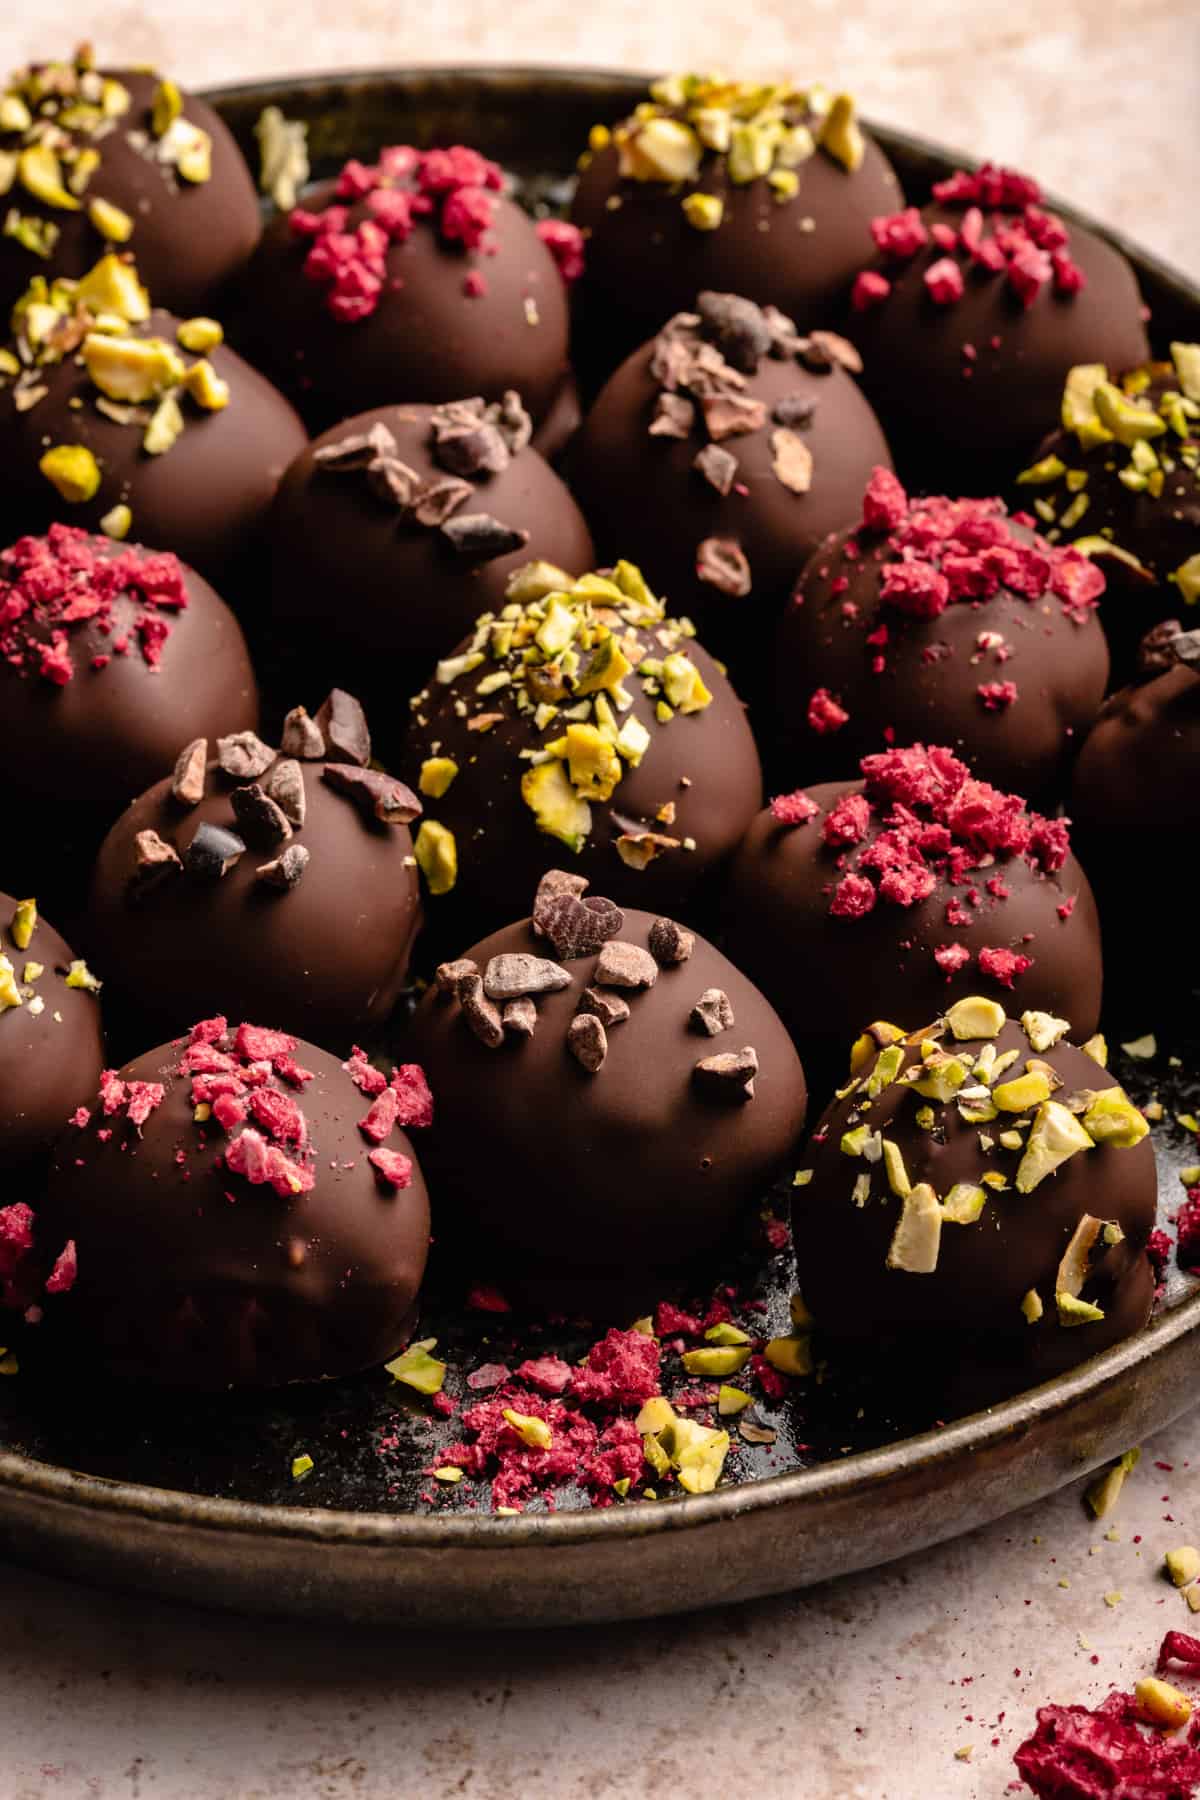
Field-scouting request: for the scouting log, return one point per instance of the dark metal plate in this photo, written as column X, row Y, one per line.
column 194, row 1498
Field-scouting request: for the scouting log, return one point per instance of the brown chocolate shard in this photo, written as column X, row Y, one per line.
column 157, row 861
column 520, row 1017
column 260, row 821
column 394, row 481
column 792, row 460
column 302, row 737
column 610, row 1009
column 190, row 774
column 822, row 350
column 380, row 795
column 481, row 538
column 285, row 785
column 623, row 965
column 670, row 943
column 739, row 329
column 358, row 450
column 243, row 756
column 343, row 724
column 438, row 499
column 479, row 1013
column 794, row 410
column 449, row 976
column 723, row 564
column 717, row 466
column 513, row 974
column 587, row 1041
column 729, row 1076
column 286, row 869
column 732, row 415
column 578, row 927
column 674, row 417
column 712, row 1013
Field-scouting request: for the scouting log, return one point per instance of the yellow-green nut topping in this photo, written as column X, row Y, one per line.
column 1182, row 1565
column 110, row 221
column 10, row 993
column 1112, row 1118
column 24, row 923
column 704, row 212
column 437, row 772
column 1056, row 1136
column 976, row 1017
column 918, row 1234
column 717, row 1361
column 200, row 334
column 437, row 856
column 532, row 1431
column 417, row 1369
column 72, row 470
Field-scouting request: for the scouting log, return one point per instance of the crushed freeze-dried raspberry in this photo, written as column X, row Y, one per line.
column 794, row 809
column 1003, row 965
column 61, row 1278
column 885, row 503
column 414, row 1101
column 1187, row 1233
column 870, row 289
column 380, row 1116
column 900, row 234
column 951, row 957
column 825, row 714
column 943, row 281
column 566, row 245
column 548, row 1374
column 622, row 1369
column 395, row 1168
column 997, row 695
column 481, row 1298
column 366, row 1077
column 1079, row 1753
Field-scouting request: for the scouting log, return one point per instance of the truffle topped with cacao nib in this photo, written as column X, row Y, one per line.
column 942, row 617
column 394, row 531
column 766, row 188
column 719, row 456
column 245, row 1208
column 414, row 278
column 578, row 716
column 281, row 880
column 136, row 422
column 611, row 1094
column 859, row 900
column 970, row 316
column 107, row 653
column 982, row 1187
column 122, row 158
column 1120, row 479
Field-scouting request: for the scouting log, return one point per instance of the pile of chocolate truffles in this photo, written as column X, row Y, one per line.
column 500, row 695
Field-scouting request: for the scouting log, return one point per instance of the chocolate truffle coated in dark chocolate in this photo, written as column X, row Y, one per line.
column 938, row 619
column 718, row 456
column 1038, row 1272
column 899, row 893
column 265, row 1249
column 613, row 1172
column 789, row 235
column 170, row 183
column 362, row 575
column 416, row 279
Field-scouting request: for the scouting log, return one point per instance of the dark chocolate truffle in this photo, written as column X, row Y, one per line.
column 109, row 656
column 416, row 278
column 137, row 423
column 766, row 189
column 611, row 1094
column 89, row 159
column 874, row 899
column 941, row 619
column 1136, row 802
column 580, row 717
column 982, row 1187
column 281, row 882
column 395, row 530
column 719, row 456
column 970, row 317
column 242, row 1213
column 1120, row 480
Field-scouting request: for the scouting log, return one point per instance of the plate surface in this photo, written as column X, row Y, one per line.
column 194, row 1499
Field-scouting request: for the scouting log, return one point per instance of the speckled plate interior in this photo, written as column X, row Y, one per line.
column 195, row 1498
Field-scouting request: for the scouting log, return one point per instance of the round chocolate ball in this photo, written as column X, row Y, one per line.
column 235, row 1222
column 611, row 1094
column 110, row 655
column 262, row 880
column 984, row 1191
column 971, row 315
column 413, row 279
column 130, row 431
column 768, row 191
column 580, row 720
column 1136, row 803
column 378, row 558
column 941, row 619
column 122, row 158
column 1120, row 479
column 898, row 893
column 719, row 456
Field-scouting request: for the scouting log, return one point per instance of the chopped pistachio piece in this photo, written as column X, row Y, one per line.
column 1112, row 1118
column 24, row 923
column 840, row 136
column 10, row 993
column 117, row 521
column 1142, row 1049
column 1073, row 1311
column 917, row 1237
column 417, row 1369
column 112, row 286
column 1040, row 474
column 301, row 1466
column 731, row 1401
column 73, row 470
column 1103, row 1494
column 887, row 1066
column 717, row 1361
column 963, row 1204
column 1161, row 1703
column 437, row 772
column 1022, row 1092
column 1187, row 579
column 40, row 173
column 802, row 1319
column 437, row 853
column 726, row 1333
column 1056, row 1135
column 165, row 427
column 110, row 221
column 1183, row 1564
column 206, row 387
column 656, row 1414
column 791, row 1355
column 703, row 212
column 166, row 107
column 1097, row 1048
column 131, row 369
column 532, row 1431
column 200, row 334
column 893, row 1163
column 942, row 1078
column 1031, row 1306
column 1043, row 1030
column 976, row 1017
column 283, row 156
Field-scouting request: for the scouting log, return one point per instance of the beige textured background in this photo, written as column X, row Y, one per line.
column 1098, row 98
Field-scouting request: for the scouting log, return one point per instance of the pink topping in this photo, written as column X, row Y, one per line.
column 848, row 821
column 990, row 187
column 1004, row 965
column 380, row 1116
column 61, row 1278
column 900, row 234
column 870, row 289
column 885, row 503
column 263, row 1163
column 454, row 189
column 548, row 1374
column 951, row 957
column 825, row 713
column 565, row 244
column 414, row 1101
column 16, row 1237
column 622, row 1370
column 366, row 1077
column 943, row 281
column 395, row 1168
column 70, row 580
column 1105, row 1754
column 794, row 809
column 997, row 695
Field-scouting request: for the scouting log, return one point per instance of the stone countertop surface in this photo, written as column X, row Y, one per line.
column 864, row 1689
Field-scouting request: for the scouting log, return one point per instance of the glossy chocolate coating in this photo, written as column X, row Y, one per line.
column 326, row 958
column 375, row 600
column 426, row 340
column 705, row 764
column 829, row 977
column 965, row 422
column 644, row 261
column 192, row 1277
column 567, row 1176
column 922, row 694
column 86, row 749
column 983, row 1269
column 50, row 1059
column 1136, row 803
column 189, row 238
column 205, row 498
column 643, row 499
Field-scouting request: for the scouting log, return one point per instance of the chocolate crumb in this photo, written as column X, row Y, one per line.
column 212, row 853
column 587, row 1041
column 553, row 883
column 287, row 868
column 712, row 1013
column 674, row 417
column 302, row 736
column 578, row 927
column 670, row 943
column 729, row 1076
column 377, row 794
column 732, row 415
column 244, row 756
column 358, row 451
column 157, row 861
column 520, row 1017
column 722, row 563
column 794, row 410
column 481, row 537
column 623, row 965
column 190, row 773
column 610, row 1009
column 739, row 328
column 438, row 499
column 791, row 460
column 471, row 450
column 449, row 976
column 822, row 350
column 343, row 724
column 261, row 822
column 717, row 466
column 513, row 974
column 483, row 1018
column 285, row 785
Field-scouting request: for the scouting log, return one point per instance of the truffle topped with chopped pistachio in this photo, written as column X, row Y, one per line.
column 969, row 313
column 719, row 455
column 92, row 159
column 51, row 1055
column 581, row 720
column 980, row 1179
column 611, row 1094
column 245, row 1209
column 1120, row 480
column 135, row 422
column 278, row 880
column 762, row 187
